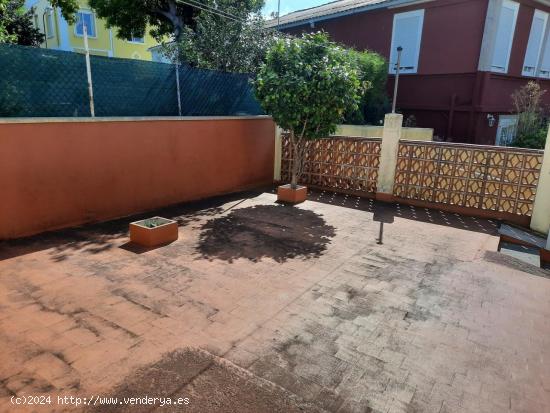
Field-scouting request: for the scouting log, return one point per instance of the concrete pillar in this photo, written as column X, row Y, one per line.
column 540, row 220
column 278, row 154
column 393, row 125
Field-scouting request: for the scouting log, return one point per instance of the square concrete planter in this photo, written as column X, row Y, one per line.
column 285, row 193
column 153, row 232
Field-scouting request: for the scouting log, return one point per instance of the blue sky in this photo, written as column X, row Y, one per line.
column 288, row 6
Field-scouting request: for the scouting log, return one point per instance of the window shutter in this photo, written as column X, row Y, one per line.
column 532, row 54
column 504, row 36
column 407, row 33
column 545, row 64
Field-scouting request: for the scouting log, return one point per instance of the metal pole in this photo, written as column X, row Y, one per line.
column 548, row 242
column 381, row 234
column 397, row 69
column 178, row 85
column 279, row 15
column 89, row 71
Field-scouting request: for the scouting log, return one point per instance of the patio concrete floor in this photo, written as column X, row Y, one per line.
column 260, row 307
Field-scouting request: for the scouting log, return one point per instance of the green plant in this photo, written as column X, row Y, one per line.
column 532, row 126
column 16, row 24
column 374, row 103
column 307, row 85
column 153, row 222
column 533, row 140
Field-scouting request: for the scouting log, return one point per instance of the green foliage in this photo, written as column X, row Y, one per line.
column 534, row 140
column 68, row 8
column 532, row 126
column 167, row 18
column 374, row 103
column 5, row 37
column 16, row 25
column 224, row 44
column 308, row 84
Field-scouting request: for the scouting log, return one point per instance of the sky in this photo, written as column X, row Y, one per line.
column 288, row 6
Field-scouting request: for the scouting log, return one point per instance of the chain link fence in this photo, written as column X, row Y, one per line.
column 49, row 83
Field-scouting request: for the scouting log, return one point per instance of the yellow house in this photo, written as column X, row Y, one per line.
column 102, row 41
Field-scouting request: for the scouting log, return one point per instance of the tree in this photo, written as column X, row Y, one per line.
column 5, row 37
column 374, row 103
column 16, row 25
column 224, row 44
column 167, row 18
column 307, row 85
column 532, row 125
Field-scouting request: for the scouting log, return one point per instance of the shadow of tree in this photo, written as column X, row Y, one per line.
column 386, row 212
column 101, row 237
column 96, row 238
column 279, row 232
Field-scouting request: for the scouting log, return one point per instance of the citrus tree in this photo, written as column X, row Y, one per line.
column 307, row 85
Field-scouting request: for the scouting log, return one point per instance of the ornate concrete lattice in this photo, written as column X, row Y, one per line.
column 473, row 176
column 337, row 163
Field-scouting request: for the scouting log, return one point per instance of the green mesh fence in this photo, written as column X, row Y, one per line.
column 38, row 82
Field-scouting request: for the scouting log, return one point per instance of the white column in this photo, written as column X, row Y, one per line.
column 540, row 221
column 393, row 125
column 111, row 52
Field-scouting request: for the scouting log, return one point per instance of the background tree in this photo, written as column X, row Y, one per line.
column 532, row 123
column 224, row 44
column 375, row 103
column 16, row 24
column 5, row 37
column 166, row 18
column 307, row 85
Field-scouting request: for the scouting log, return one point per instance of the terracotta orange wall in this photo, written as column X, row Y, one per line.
column 62, row 174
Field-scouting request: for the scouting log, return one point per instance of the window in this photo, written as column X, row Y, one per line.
column 48, row 24
column 134, row 39
column 504, row 36
column 85, row 18
column 507, row 129
column 407, row 33
column 534, row 46
column 545, row 60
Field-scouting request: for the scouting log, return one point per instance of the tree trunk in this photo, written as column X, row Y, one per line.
column 296, row 160
column 176, row 20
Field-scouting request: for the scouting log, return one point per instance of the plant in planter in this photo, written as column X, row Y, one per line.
column 307, row 85
column 153, row 232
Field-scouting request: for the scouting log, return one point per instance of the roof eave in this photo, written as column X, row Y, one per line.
column 362, row 9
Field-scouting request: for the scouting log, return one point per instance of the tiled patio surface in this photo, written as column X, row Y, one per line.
column 296, row 309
